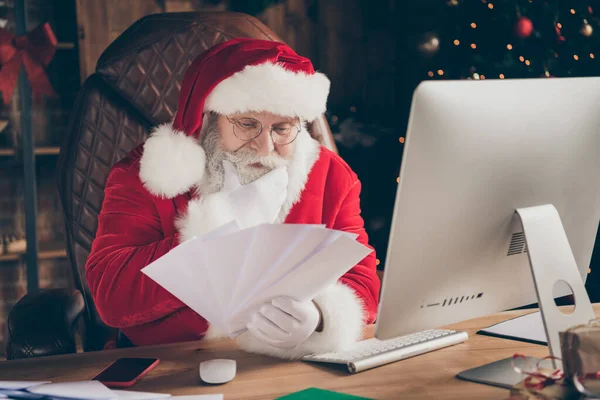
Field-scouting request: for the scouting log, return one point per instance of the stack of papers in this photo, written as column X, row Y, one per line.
column 84, row 390
column 228, row 274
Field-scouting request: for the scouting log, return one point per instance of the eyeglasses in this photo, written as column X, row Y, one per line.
column 248, row 129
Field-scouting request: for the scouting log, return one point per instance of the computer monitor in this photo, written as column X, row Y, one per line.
column 475, row 152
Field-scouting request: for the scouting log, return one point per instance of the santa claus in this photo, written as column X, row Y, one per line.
column 238, row 149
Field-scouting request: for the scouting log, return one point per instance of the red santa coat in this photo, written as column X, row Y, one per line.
column 137, row 225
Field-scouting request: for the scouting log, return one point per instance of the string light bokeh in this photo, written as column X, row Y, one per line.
column 517, row 39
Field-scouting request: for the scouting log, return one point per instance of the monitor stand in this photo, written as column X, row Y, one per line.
column 551, row 261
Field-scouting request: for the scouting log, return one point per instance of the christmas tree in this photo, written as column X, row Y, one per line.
column 508, row 39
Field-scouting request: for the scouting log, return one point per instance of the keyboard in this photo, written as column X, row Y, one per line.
column 371, row 353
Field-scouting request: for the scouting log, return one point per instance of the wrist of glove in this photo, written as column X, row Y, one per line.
column 285, row 323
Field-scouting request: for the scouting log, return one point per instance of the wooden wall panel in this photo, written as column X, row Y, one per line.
column 102, row 21
column 93, row 33
column 124, row 13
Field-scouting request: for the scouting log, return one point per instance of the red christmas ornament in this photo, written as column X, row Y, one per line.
column 523, row 27
column 559, row 35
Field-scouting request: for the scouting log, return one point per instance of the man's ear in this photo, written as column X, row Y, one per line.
column 211, row 116
column 206, row 122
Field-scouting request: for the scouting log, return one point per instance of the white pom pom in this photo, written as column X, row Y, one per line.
column 172, row 162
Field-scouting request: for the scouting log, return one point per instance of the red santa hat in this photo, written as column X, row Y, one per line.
column 236, row 76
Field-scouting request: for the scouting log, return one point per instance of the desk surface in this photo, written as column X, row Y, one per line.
column 428, row 376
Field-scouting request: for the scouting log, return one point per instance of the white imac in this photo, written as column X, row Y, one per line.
column 499, row 183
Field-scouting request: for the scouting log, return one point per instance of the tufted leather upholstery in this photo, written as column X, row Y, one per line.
column 44, row 324
column 136, row 86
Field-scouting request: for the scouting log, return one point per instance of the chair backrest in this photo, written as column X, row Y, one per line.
column 136, row 86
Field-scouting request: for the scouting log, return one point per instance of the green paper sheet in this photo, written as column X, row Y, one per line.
column 317, row 394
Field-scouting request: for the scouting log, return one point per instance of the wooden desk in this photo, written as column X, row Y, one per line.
column 428, row 376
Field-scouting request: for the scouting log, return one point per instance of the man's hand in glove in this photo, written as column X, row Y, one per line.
column 285, row 323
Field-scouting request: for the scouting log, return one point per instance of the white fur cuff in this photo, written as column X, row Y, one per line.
column 214, row 333
column 343, row 325
column 204, row 215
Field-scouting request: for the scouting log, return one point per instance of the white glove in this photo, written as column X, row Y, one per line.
column 259, row 201
column 284, row 323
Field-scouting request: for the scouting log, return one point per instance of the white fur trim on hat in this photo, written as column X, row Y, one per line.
column 343, row 323
column 272, row 88
column 171, row 163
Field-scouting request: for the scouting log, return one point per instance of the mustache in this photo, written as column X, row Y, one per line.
column 244, row 156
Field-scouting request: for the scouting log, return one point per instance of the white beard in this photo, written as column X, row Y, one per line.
column 242, row 159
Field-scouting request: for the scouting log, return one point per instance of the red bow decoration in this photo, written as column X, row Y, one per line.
column 537, row 378
column 34, row 51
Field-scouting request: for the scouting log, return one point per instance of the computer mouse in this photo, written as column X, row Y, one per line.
column 217, row 371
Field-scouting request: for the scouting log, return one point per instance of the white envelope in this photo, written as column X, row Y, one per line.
column 223, row 258
column 84, row 390
column 20, row 385
column 227, row 274
column 321, row 270
column 296, row 243
column 22, row 395
column 173, row 271
column 133, row 395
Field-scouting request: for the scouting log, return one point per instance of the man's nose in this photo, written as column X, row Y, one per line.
column 263, row 145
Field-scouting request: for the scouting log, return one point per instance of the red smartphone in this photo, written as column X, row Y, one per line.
column 125, row 372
